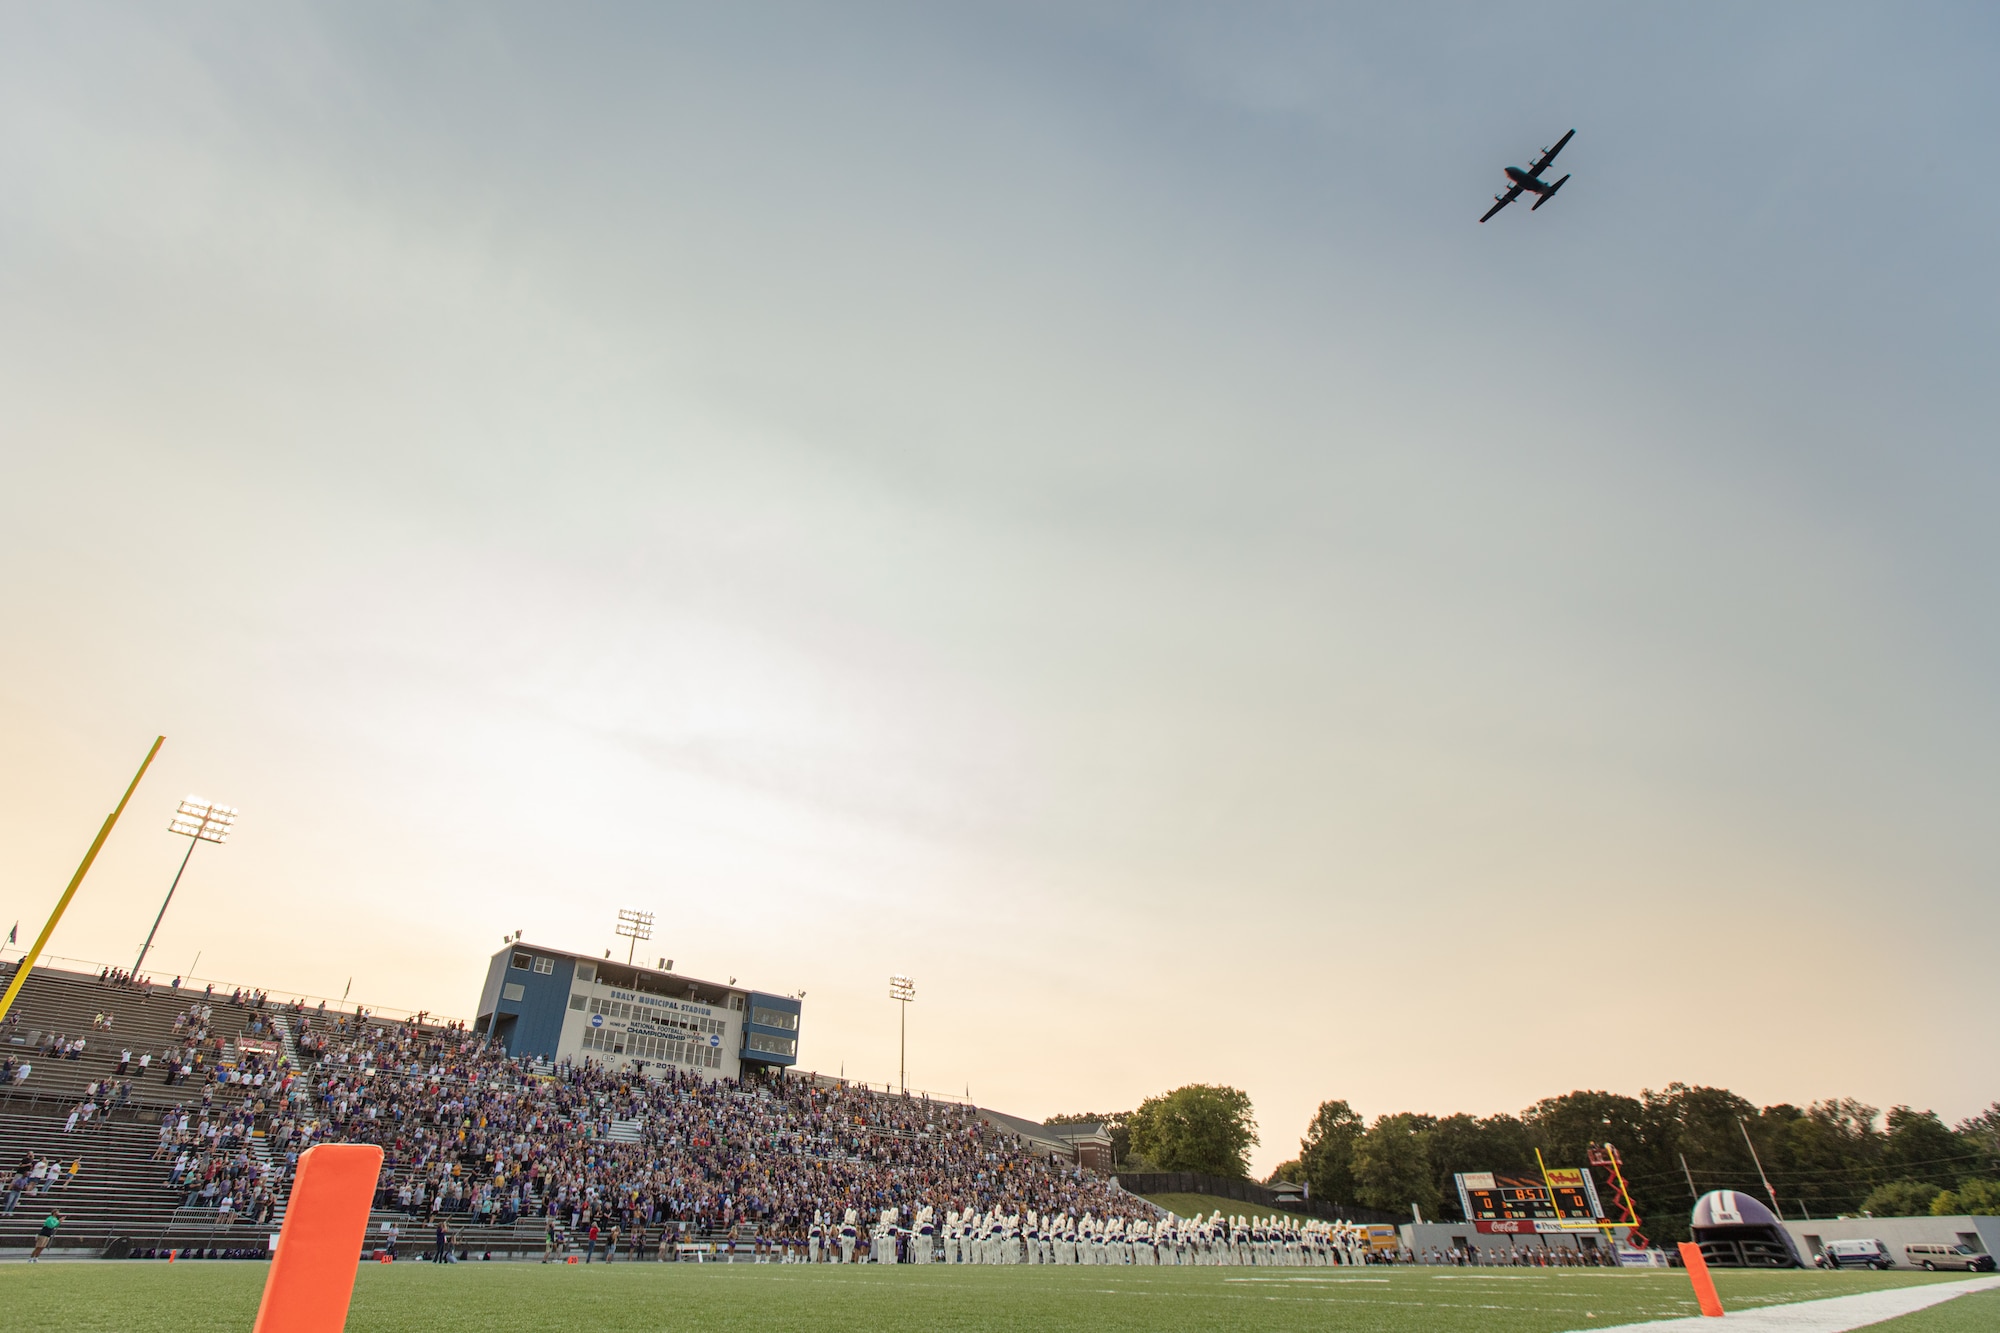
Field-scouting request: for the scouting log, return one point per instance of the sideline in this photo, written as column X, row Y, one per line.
column 1835, row 1314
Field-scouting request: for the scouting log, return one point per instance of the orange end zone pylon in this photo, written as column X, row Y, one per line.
column 1704, row 1285
column 319, row 1247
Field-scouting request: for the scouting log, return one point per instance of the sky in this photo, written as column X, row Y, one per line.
column 1064, row 502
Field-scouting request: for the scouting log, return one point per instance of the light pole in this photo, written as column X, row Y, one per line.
column 634, row 926
column 903, row 990
column 197, row 821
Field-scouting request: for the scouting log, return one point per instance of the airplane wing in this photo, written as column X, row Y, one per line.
column 1500, row 201
column 1542, row 163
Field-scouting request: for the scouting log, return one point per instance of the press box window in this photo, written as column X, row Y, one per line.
column 513, row 990
column 773, row 1045
column 774, row 1018
column 544, row 965
column 522, row 961
column 576, row 1001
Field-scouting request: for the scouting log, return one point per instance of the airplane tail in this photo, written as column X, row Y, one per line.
column 1550, row 195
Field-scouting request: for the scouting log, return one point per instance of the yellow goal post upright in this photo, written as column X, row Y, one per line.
column 1601, row 1224
column 27, row 963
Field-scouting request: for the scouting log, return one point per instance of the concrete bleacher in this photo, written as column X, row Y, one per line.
column 66, row 1003
column 120, row 1192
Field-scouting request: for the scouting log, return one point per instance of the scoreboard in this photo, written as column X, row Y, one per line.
column 1520, row 1203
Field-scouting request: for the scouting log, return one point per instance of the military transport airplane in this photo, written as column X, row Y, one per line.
column 1531, row 180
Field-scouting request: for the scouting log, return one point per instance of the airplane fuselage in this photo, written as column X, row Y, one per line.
column 1527, row 182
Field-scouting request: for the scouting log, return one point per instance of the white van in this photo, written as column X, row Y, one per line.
column 1935, row 1257
column 1858, row 1254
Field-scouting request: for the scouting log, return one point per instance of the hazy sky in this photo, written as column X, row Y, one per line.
column 1065, row 502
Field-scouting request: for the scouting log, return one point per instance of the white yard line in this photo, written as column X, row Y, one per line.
column 1834, row 1315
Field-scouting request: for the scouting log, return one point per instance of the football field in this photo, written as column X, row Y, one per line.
column 145, row 1297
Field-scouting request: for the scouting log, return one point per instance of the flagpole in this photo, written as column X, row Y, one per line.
column 28, row 959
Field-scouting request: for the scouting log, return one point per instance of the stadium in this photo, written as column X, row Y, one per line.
column 1383, row 621
column 653, row 1129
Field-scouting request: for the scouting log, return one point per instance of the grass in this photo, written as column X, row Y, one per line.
column 1201, row 1205
column 524, row 1297
column 1978, row 1313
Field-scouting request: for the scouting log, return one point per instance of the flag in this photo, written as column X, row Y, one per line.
column 14, row 934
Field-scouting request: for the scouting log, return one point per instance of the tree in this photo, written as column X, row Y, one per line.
column 1980, row 1136
column 1201, row 1127
column 1460, row 1143
column 1673, row 1145
column 1901, row 1198
column 1326, row 1153
column 1983, row 1129
column 1565, row 1127
column 1920, row 1147
column 1981, row 1198
column 1392, row 1165
column 1831, row 1150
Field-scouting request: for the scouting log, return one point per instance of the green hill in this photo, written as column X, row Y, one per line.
column 1192, row 1205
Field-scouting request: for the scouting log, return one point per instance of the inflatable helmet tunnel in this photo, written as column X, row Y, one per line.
column 1735, row 1231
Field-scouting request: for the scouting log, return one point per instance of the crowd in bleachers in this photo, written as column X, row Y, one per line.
column 114, row 1095
column 465, row 1129
column 473, row 1135
column 144, row 986
column 36, row 1175
column 212, row 1161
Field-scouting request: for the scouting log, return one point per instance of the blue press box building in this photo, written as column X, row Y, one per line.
column 553, row 1005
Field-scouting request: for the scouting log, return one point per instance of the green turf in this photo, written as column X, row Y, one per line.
column 525, row 1297
column 1978, row 1313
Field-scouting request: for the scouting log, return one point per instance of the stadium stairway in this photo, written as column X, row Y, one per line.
column 260, row 1148
column 283, row 1027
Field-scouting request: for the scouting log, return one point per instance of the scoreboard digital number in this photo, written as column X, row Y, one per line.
column 1569, row 1196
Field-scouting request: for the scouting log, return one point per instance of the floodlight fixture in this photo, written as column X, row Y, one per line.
column 197, row 820
column 903, row 990
column 634, row 926
column 205, row 820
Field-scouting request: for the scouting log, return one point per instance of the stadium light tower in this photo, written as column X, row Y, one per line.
column 634, row 926
column 197, row 821
column 903, row 990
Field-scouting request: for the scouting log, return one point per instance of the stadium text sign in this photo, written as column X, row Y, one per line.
column 1526, row 1227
